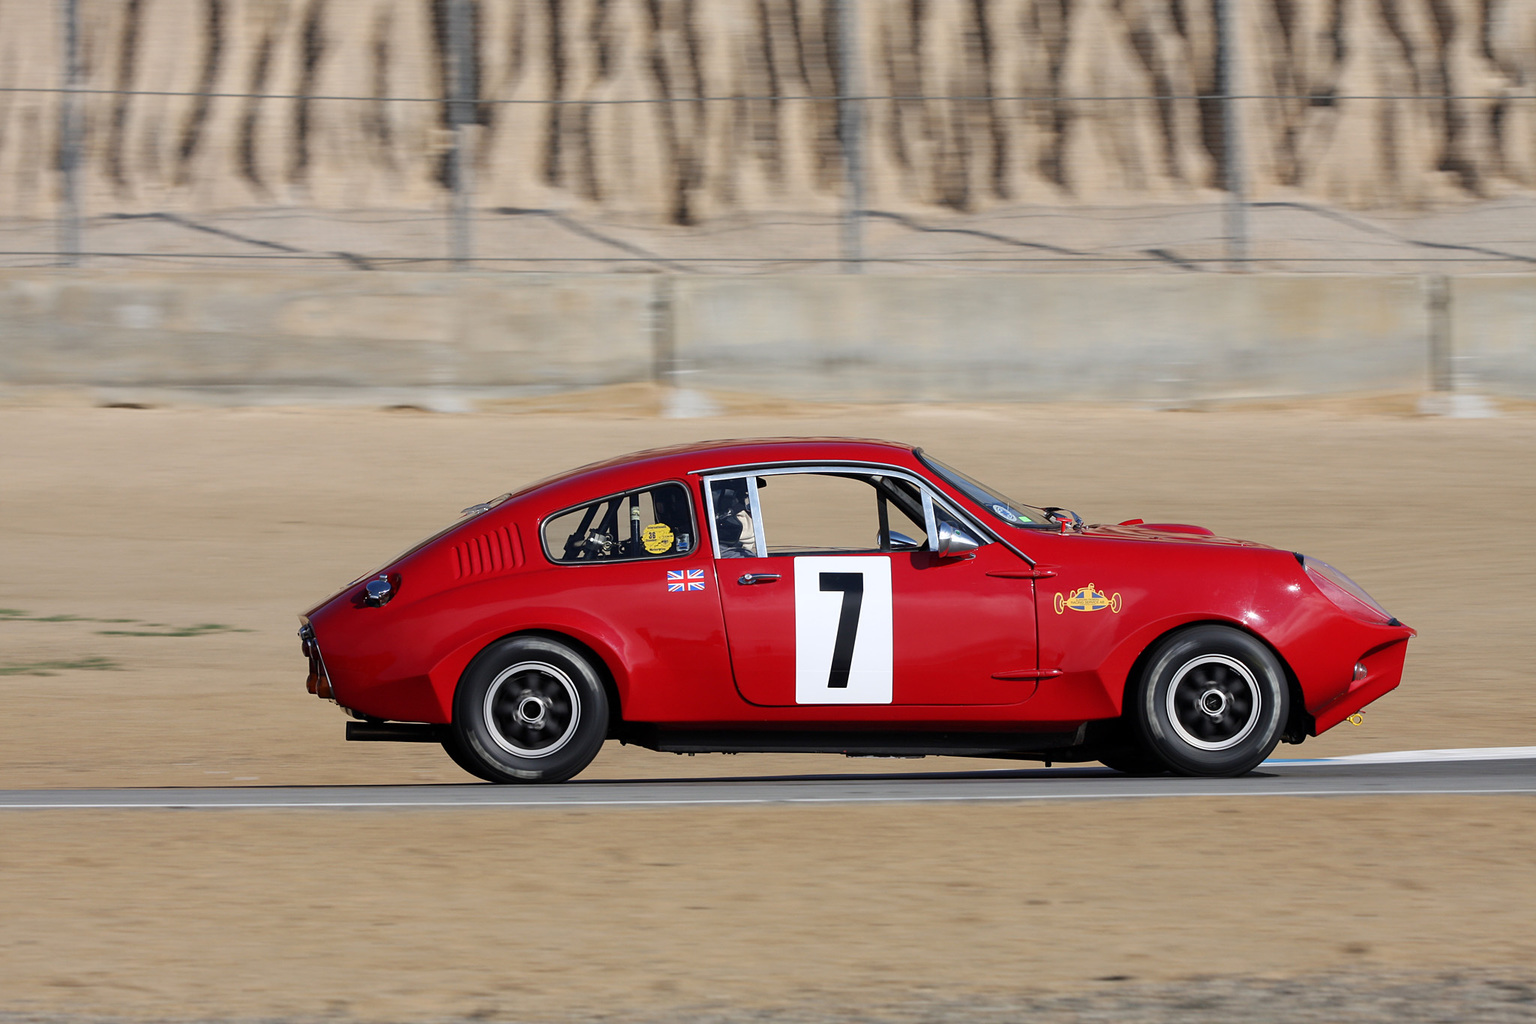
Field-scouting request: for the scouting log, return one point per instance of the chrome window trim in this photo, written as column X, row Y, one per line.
column 932, row 498
column 760, row 546
column 544, row 522
column 709, row 513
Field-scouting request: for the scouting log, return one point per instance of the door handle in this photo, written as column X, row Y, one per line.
column 757, row 577
column 1037, row 572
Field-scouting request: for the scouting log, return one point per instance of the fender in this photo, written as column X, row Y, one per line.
column 1091, row 686
column 575, row 623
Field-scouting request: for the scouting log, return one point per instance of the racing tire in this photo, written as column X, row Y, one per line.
column 528, row 709
column 1132, row 761
column 448, row 737
column 1213, row 701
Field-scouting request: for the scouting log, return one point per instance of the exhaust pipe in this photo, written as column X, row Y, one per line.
column 392, row 732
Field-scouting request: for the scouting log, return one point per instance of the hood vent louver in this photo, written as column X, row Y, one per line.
column 497, row 551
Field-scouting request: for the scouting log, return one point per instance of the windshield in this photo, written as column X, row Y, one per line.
column 999, row 505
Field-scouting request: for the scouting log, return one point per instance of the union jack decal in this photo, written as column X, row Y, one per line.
column 685, row 579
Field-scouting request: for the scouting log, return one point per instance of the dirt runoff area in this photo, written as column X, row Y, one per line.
column 152, row 562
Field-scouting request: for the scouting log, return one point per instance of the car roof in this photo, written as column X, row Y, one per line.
column 656, row 464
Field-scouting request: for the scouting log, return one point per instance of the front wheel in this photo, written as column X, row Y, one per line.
column 528, row 709
column 1212, row 701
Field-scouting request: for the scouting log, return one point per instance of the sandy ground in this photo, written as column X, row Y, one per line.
column 239, row 519
column 128, row 535
column 792, row 911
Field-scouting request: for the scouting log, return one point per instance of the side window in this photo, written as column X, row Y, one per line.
column 653, row 523
column 815, row 513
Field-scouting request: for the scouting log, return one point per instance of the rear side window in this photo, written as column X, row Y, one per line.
column 656, row 522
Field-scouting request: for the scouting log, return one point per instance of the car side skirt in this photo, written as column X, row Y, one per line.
column 1024, row 746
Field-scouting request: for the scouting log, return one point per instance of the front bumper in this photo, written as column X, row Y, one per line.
column 1383, row 671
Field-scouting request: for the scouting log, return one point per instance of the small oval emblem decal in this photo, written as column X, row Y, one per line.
column 1087, row 599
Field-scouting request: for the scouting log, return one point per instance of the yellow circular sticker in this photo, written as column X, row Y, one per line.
column 657, row 538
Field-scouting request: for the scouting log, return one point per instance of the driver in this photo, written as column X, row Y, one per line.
column 733, row 521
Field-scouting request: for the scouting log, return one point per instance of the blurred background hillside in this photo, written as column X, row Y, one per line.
column 767, row 135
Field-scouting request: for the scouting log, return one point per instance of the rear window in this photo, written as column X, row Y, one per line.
column 654, row 522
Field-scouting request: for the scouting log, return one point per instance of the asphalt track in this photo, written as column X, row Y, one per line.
column 1472, row 772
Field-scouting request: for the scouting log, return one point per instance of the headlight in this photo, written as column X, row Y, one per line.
column 1345, row 592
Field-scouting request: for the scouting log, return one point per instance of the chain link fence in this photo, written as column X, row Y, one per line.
column 756, row 136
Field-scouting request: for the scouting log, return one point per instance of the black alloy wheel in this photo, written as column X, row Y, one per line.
column 528, row 709
column 1213, row 701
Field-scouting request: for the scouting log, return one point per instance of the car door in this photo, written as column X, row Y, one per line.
column 834, row 593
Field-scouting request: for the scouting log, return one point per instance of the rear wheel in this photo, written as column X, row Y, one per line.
column 528, row 709
column 449, row 738
column 1132, row 761
column 1212, row 701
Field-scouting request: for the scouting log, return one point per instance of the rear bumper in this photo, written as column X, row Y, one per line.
column 1383, row 671
column 319, row 681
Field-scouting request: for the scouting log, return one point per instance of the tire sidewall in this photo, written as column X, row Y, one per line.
column 473, row 733
column 1157, row 731
column 454, row 747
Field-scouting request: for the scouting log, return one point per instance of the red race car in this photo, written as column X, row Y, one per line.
column 847, row 596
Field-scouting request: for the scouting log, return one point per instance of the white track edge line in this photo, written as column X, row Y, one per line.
column 704, row 802
column 1420, row 756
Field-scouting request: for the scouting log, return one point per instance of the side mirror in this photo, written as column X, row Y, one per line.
column 954, row 542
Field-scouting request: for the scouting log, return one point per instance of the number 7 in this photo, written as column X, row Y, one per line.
column 852, row 586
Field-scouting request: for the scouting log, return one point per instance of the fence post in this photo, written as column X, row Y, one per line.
column 663, row 333
column 1228, row 66
column 1441, row 380
column 461, row 115
column 849, row 116
column 69, row 139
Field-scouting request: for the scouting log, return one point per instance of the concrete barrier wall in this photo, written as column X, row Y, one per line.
column 1052, row 336
column 326, row 330
column 1159, row 338
column 1493, row 332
